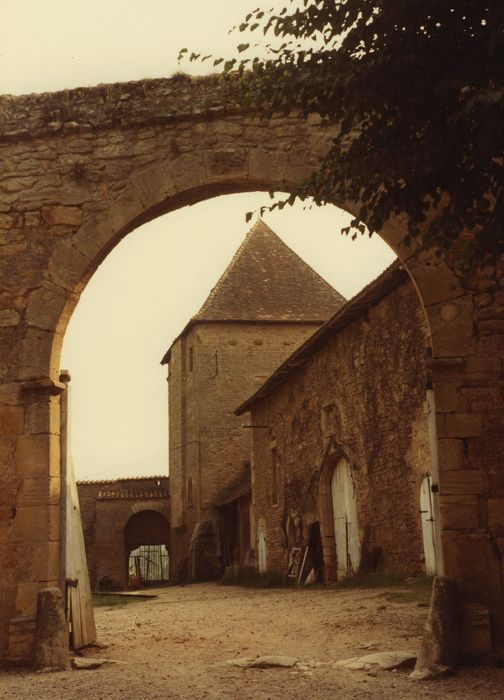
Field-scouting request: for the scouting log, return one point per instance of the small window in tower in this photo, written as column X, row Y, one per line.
column 189, row 492
column 216, row 365
column 274, row 476
column 191, row 358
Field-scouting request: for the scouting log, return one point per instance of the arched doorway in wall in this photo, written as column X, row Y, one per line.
column 146, row 549
column 428, row 525
column 346, row 527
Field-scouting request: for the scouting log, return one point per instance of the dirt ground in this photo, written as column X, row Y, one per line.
column 177, row 645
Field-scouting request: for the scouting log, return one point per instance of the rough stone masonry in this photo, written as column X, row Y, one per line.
column 82, row 168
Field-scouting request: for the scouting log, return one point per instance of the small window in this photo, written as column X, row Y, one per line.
column 189, row 492
column 191, row 359
column 274, row 476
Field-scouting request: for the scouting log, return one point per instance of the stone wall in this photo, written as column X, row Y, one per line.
column 125, row 105
column 106, row 507
column 361, row 395
column 208, row 444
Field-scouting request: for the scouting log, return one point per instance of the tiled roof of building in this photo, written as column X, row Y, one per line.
column 267, row 281
column 394, row 275
column 125, row 479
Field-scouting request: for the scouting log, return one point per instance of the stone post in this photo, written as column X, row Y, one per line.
column 51, row 632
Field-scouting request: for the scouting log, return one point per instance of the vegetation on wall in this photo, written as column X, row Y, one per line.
column 416, row 90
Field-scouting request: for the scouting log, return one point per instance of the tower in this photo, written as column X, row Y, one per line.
column 266, row 303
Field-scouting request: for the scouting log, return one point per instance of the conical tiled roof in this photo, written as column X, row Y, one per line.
column 267, row 281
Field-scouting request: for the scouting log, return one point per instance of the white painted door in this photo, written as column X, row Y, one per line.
column 346, row 527
column 261, row 548
column 427, row 516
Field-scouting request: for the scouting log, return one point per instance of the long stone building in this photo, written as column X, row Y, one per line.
column 267, row 302
column 341, row 466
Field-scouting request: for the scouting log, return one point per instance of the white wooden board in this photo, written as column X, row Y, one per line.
column 78, row 591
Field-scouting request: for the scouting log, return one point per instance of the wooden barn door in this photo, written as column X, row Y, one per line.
column 428, row 526
column 346, row 529
column 261, row 548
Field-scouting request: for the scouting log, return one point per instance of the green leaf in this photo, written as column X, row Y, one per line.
column 369, row 65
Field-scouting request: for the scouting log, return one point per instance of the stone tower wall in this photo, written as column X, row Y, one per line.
column 207, row 441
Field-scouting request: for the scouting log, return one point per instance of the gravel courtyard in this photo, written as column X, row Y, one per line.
column 178, row 646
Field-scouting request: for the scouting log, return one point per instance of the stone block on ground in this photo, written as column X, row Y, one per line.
column 268, row 661
column 381, row 660
column 82, row 663
column 274, row 661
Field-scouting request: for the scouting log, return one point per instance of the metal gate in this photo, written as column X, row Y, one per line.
column 148, row 564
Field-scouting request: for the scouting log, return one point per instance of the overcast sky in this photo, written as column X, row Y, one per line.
column 159, row 275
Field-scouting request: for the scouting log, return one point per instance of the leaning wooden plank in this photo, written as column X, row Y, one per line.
column 83, row 625
column 80, row 607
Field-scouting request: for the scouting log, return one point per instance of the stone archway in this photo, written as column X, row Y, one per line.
column 106, row 508
column 80, row 170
